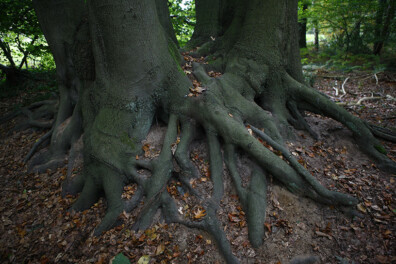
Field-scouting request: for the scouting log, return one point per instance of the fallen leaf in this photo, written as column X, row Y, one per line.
column 361, row 208
column 382, row 259
column 199, row 213
column 198, row 90
column 233, row 217
column 144, row 259
column 268, row 226
column 318, row 233
column 160, row 249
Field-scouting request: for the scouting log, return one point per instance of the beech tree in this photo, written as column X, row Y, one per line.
column 118, row 68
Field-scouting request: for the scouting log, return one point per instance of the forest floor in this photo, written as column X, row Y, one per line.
column 36, row 227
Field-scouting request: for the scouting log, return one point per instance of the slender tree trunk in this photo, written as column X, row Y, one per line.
column 316, row 41
column 356, row 45
column 384, row 17
column 302, row 29
column 7, row 52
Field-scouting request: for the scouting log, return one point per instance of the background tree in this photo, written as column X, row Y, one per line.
column 384, row 18
column 354, row 26
column 20, row 37
column 117, row 70
column 183, row 19
column 302, row 22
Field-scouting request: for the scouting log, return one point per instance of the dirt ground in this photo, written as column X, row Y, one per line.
column 36, row 226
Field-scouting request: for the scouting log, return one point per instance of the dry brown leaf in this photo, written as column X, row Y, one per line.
column 199, row 213
column 268, row 226
column 160, row 249
column 323, row 234
column 361, row 208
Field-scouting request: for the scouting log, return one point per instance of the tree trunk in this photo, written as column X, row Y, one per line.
column 384, row 17
column 208, row 25
column 316, row 41
column 116, row 70
column 302, row 29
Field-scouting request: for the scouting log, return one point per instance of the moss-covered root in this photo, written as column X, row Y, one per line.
column 333, row 197
column 256, row 205
column 89, row 195
column 216, row 166
column 113, row 188
column 210, row 224
column 383, row 133
column 317, row 103
column 63, row 136
column 182, row 153
column 96, row 180
column 161, row 173
column 74, row 185
column 253, row 200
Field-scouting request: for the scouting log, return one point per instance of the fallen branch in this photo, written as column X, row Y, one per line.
column 368, row 98
column 359, row 102
column 343, row 87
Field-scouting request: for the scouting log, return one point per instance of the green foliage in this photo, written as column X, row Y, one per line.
column 343, row 21
column 47, row 61
column 352, row 26
column 182, row 14
column 339, row 60
column 18, row 17
column 40, row 85
column 20, row 34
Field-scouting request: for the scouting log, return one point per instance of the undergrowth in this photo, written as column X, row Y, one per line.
column 39, row 85
column 337, row 60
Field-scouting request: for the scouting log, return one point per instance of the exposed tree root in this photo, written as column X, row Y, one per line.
column 250, row 96
column 111, row 96
column 39, row 115
column 62, row 137
column 382, row 132
column 223, row 111
column 37, row 144
column 317, row 103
